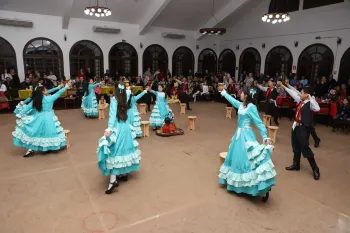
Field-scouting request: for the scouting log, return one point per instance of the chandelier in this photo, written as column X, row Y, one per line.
column 98, row 11
column 277, row 12
column 212, row 31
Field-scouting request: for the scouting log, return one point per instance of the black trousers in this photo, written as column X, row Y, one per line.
column 185, row 99
column 314, row 134
column 271, row 109
column 300, row 144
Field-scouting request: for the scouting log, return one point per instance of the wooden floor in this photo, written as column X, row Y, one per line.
column 177, row 187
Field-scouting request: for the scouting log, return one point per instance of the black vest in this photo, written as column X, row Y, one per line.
column 306, row 115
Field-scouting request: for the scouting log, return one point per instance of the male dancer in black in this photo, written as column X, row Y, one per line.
column 271, row 96
column 313, row 133
column 301, row 129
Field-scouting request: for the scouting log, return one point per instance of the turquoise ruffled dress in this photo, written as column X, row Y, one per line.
column 160, row 111
column 23, row 104
column 89, row 103
column 40, row 131
column 133, row 114
column 248, row 167
column 118, row 154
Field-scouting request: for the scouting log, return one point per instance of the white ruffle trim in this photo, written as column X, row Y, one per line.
column 35, row 141
column 264, row 172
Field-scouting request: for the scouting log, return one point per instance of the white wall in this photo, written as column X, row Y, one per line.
column 304, row 26
column 81, row 29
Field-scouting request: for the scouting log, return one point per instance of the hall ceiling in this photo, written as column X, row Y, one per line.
column 179, row 14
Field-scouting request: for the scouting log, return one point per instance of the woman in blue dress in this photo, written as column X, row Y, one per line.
column 133, row 114
column 38, row 128
column 248, row 167
column 161, row 108
column 118, row 152
column 89, row 103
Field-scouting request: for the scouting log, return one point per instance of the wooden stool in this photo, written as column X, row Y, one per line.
column 191, row 122
column 143, row 108
column 145, row 128
column 267, row 120
column 183, row 109
column 222, row 157
column 228, row 112
column 273, row 133
column 66, row 133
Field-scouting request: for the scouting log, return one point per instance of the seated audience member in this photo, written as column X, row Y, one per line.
column 53, row 78
column 81, row 73
column 205, row 89
column 37, row 74
column 8, row 83
column 196, row 91
column 16, row 83
column 343, row 114
column 138, row 82
column 231, row 90
column 304, row 81
column 343, row 92
column 26, row 84
column 293, row 81
column 47, row 82
column 4, row 75
column 322, row 88
column 3, row 87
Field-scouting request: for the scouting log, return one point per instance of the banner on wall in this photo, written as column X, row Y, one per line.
column 294, row 69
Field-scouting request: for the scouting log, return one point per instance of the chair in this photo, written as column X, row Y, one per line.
column 183, row 109
column 143, row 108
column 71, row 97
column 191, row 122
column 267, row 120
column 273, row 133
column 324, row 111
column 222, row 157
column 145, row 128
column 229, row 112
column 66, row 133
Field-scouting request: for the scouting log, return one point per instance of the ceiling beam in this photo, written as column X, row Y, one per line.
column 154, row 11
column 68, row 5
column 220, row 16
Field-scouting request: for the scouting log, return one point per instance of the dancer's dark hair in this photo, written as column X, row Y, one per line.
column 251, row 97
column 86, row 87
column 123, row 103
column 37, row 97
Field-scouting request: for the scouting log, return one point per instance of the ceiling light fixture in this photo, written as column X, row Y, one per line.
column 212, row 31
column 277, row 13
column 97, row 11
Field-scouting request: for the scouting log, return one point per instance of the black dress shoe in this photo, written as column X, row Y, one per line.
column 317, row 174
column 115, row 184
column 189, row 109
column 125, row 178
column 293, row 167
column 317, row 143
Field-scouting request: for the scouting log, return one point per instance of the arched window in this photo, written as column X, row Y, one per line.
column 315, row 61
column 250, row 61
column 155, row 57
column 344, row 69
column 227, row 62
column 7, row 56
column 278, row 60
column 207, row 60
column 124, row 59
column 43, row 55
column 183, row 61
column 86, row 54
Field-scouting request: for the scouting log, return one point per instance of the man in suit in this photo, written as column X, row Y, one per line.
column 302, row 128
column 271, row 96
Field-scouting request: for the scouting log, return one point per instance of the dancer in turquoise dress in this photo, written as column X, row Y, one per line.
column 161, row 109
column 117, row 151
column 133, row 114
column 23, row 104
column 38, row 128
column 248, row 167
column 89, row 103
